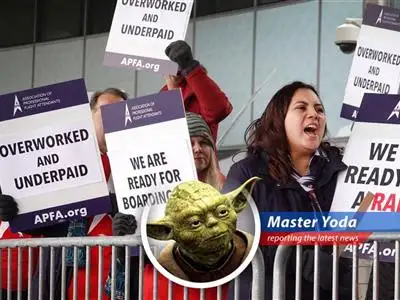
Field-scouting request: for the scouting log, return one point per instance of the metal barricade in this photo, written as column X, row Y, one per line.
column 257, row 292
column 283, row 253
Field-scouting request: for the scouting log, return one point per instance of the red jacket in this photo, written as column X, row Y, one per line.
column 6, row 233
column 100, row 225
column 177, row 290
column 102, row 228
column 201, row 95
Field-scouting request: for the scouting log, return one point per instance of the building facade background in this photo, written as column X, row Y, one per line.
column 240, row 42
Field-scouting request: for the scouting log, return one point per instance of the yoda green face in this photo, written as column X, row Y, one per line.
column 200, row 219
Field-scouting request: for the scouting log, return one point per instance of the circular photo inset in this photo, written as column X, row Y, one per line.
column 202, row 238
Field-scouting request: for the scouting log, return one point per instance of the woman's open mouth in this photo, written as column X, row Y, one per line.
column 311, row 130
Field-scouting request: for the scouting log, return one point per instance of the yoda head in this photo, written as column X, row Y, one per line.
column 200, row 219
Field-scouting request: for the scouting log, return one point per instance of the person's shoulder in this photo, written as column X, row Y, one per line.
column 333, row 153
column 251, row 162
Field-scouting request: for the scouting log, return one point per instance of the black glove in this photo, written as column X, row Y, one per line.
column 123, row 224
column 181, row 53
column 8, row 208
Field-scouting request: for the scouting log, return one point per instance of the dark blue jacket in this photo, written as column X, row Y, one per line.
column 271, row 196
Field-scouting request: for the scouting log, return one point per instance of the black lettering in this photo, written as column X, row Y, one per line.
column 155, row 32
column 392, row 151
column 384, row 180
column 125, row 202
column 28, row 181
column 83, row 170
column 75, row 133
column 363, row 173
column 145, row 199
column 377, row 151
column 18, row 183
column 157, row 159
column 13, row 149
column 351, row 174
column 124, row 29
column 177, row 177
column 55, row 158
column 84, row 134
column 59, row 139
column 46, row 178
column 61, row 174
column 148, row 32
column 130, row 183
column 132, row 201
column 40, row 162
column 37, row 179
column 47, row 160
column 359, row 198
column 21, row 147
column 137, row 163
column 169, row 35
column 385, row 56
column 53, row 176
column 50, row 141
column 38, row 143
column 67, row 138
column 139, row 202
column 3, row 151
column 373, row 177
column 163, row 158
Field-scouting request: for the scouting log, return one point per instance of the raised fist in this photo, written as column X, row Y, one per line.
column 181, row 53
column 123, row 224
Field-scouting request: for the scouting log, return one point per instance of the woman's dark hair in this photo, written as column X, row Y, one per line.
column 267, row 133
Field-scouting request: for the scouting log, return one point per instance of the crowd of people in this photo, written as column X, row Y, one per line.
column 285, row 147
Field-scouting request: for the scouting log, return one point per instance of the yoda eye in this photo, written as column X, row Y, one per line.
column 195, row 224
column 223, row 212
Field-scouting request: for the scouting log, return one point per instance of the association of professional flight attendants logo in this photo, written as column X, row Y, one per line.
column 396, row 111
column 17, row 105
column 379, row 20
column 128, row 117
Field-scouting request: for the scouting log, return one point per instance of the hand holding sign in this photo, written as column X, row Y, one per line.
column 8, row 208
column 123, row 224
column 181, row 53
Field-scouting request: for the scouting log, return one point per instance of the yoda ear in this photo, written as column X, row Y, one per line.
column 160, row 230
column 239, row 196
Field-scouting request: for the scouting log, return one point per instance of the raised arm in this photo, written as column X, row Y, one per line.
column 211, row 102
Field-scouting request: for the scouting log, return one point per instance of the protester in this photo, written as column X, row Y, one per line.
column 299, row 172
column 201, row 95
column 5, row 234
column 99, row 225
column 203, row 148
column 207, row 171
